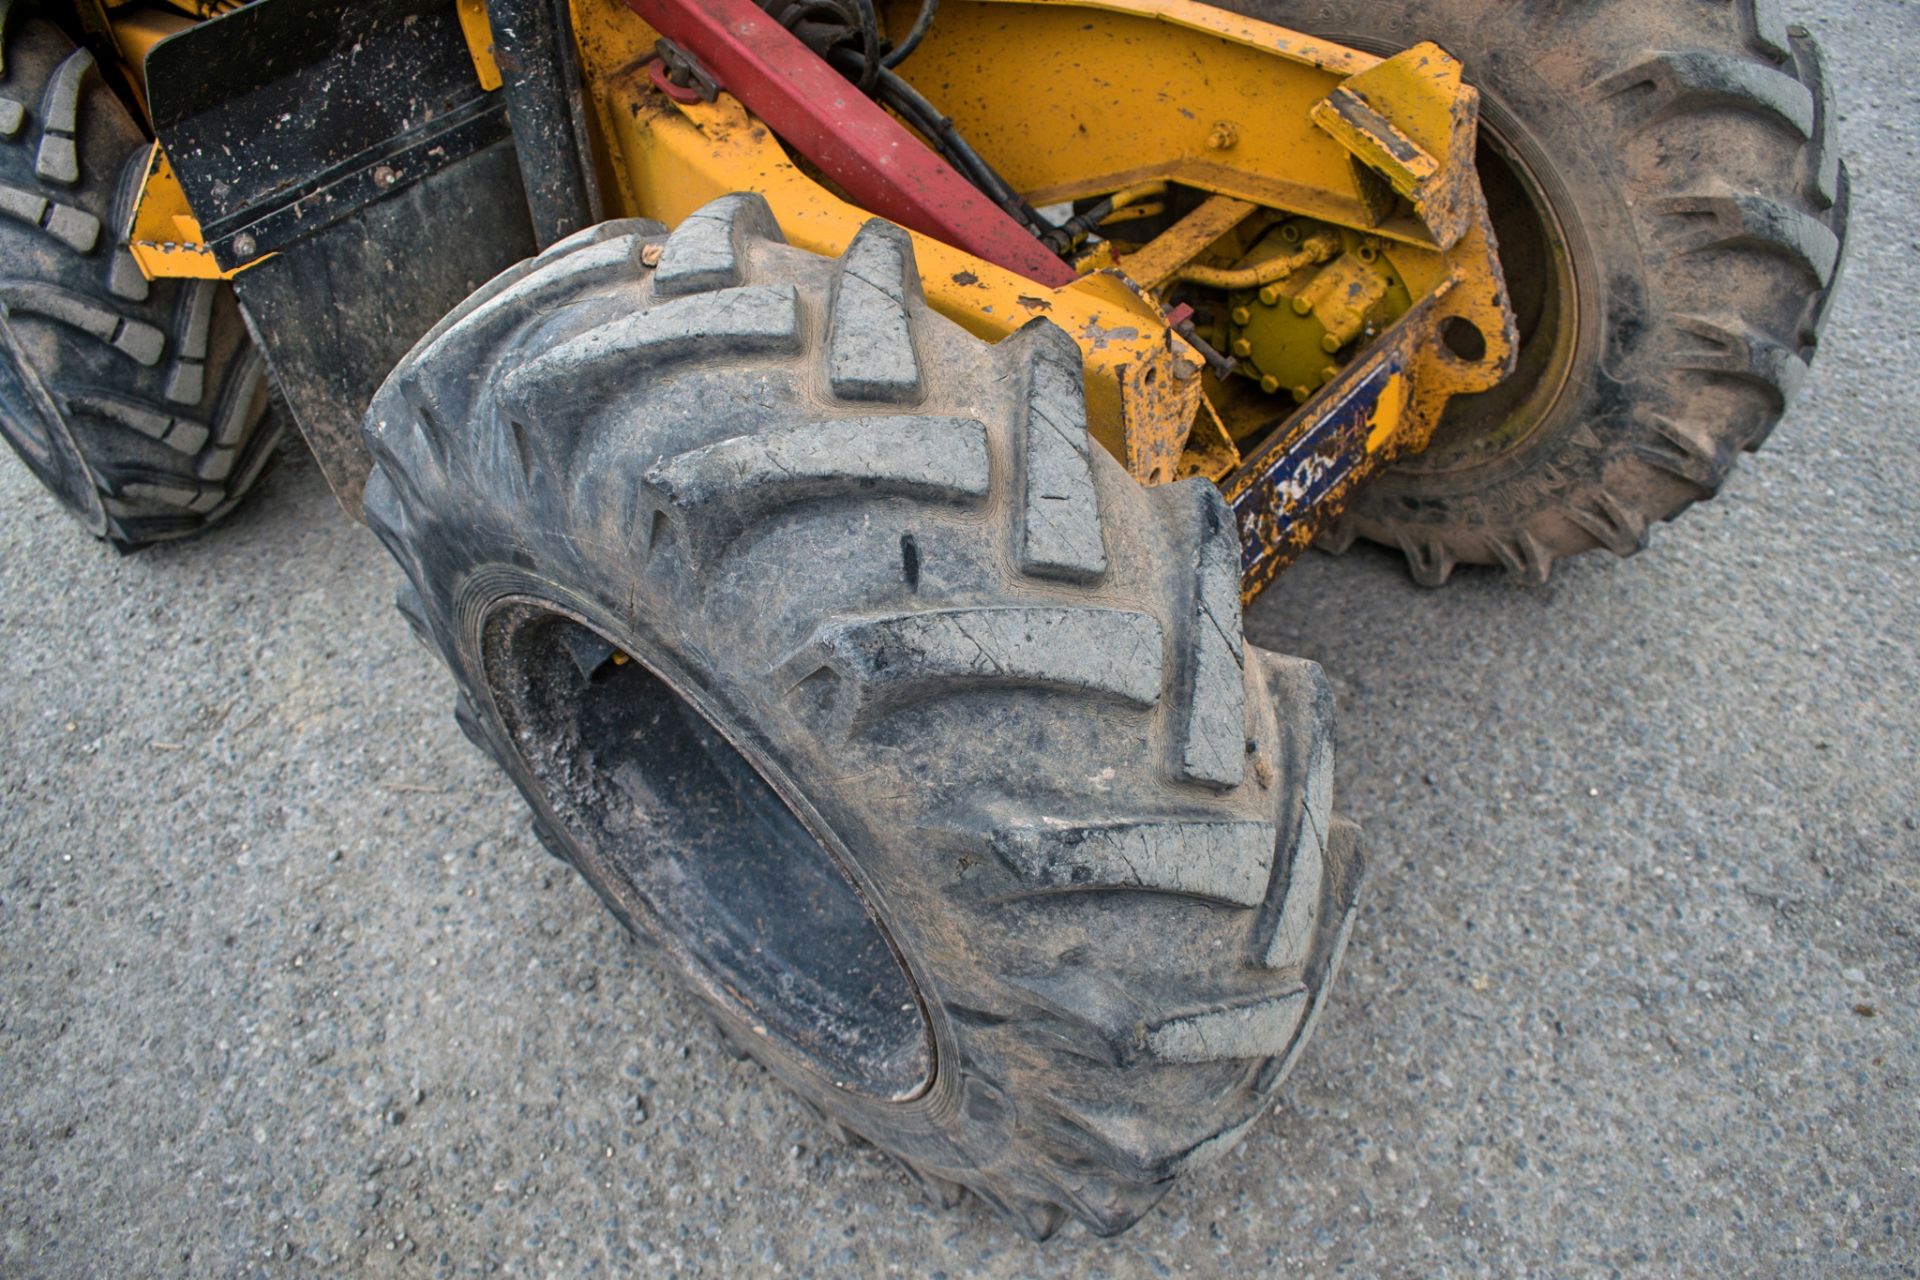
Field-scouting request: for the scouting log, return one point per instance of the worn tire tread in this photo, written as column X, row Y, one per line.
column 142, row 406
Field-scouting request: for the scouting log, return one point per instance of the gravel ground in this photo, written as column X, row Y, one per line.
column 286, row 985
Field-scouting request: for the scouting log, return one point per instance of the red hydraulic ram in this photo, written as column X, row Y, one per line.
column 873, row 157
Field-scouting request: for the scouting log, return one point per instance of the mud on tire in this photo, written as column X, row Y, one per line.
column 1001, row 683
column 140, row 405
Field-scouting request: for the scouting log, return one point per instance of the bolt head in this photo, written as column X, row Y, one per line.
column 1302, row 306
column 1241, row 315
column 1269, row 384
column 1224, row 137
column 244, row 246
column 1242, row 348
column 1270, row 296
column 1331, row 343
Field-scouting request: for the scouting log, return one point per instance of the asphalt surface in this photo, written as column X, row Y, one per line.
column 287, row 986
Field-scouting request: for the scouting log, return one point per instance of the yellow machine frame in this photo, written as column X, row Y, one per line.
column 1083, row 98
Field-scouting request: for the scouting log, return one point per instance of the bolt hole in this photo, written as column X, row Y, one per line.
column 1464, row 339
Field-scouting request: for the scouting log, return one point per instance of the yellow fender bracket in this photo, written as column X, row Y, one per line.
column 166, row 240
column 1412, row 120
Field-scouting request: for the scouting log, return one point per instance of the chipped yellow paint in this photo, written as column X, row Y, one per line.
column 1411, row 119
column 1389, row 414
column 166, row 241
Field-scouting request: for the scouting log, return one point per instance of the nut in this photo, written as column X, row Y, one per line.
column 1224, row 136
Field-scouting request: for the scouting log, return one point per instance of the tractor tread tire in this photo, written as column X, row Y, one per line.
column 1012, row 680
column 1711, row 124
column 140, row 405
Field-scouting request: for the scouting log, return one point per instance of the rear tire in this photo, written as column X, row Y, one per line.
column 833, row 655
column 140, row 405
column 1682, row 157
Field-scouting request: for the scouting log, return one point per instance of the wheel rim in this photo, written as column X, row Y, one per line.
column 653, row 792
column 1543, row 286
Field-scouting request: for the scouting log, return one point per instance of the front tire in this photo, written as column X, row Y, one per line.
column 140, row 405
column 833, row 655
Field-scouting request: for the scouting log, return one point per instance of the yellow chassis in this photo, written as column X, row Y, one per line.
column 1082, row 98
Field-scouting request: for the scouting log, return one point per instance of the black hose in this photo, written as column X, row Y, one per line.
column 939, row 130
column 870, row 45
column 921, row 25
column 793, row 14
column 866, row 66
